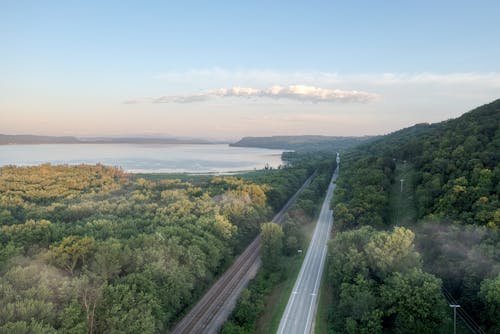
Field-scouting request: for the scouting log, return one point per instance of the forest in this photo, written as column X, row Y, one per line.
column 304, row 143
column 387, row 273
column 91, row 249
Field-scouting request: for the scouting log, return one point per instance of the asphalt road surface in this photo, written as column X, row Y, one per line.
column 301, row 308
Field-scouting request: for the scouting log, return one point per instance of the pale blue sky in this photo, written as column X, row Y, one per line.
column 67, row 67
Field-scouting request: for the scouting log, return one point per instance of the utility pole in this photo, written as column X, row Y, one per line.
column 402, row 180
column 455, row 306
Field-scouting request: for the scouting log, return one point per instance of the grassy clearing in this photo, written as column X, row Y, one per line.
column 403, row 213
column 402, row 203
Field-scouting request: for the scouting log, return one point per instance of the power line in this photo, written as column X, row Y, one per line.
column 466, row 318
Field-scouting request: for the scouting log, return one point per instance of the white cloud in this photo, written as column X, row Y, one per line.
column 294, row 92
column 181, row 98
column 314, row 94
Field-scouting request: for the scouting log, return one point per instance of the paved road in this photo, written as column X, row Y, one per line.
column 301, row 308
column 208, row 315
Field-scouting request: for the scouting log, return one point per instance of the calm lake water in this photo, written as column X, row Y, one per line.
column 140, row 158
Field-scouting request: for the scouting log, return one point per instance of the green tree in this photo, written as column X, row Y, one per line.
column 124, row 309
column 73, row 319
column 89, row 289
column 25, row 327
column 378, row 284
column 414, row 299
column 109, row 258
column 343, row 218
column 72, row 252
column 272, row 245
column 490, row 295
column 390, row 252
column 248, row 308
column 232, row 328
column 359, row 307
column 29, row 233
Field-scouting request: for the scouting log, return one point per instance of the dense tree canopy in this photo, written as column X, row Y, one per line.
column 455, row 187
column 92, row 249
column 379, row 285
column 457, row 165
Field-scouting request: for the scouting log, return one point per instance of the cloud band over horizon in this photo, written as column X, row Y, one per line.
column 301, row 93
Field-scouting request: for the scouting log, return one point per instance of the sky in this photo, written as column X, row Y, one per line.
column 227, row 69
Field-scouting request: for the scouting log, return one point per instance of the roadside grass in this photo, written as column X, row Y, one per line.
column 277, row 300
column 325, row 303
column 402, row 203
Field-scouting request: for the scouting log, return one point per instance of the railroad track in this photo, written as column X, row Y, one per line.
column 200, row 316
column 208, row 315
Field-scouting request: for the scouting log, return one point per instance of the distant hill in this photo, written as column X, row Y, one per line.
column 299, row 143
column 139, row 140
column 471, row 140
column 457, row 154
column 33, row 140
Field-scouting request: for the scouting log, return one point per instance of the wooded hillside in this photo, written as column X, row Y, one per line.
column 452, row 175
column 302, row 143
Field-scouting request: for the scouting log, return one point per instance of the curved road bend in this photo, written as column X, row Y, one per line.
column 301, row 308
column 208, row 315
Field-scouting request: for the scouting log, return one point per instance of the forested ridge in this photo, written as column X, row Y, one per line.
column 36, row 140
column 385, row 276
column 303, row 143
column 91, row 249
